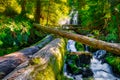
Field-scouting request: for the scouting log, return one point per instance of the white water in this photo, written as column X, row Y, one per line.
column 75, row 18
column 101, row 71
column 71, row 46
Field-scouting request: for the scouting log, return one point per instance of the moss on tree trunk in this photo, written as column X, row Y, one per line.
column 46, row 64
column 53, row 71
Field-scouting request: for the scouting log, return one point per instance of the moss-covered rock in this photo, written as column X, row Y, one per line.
column 78, row 61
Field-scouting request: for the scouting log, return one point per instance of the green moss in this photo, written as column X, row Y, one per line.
column 54, row 69
column 35, row 61
column 90, row 78
column 114, row 61
column 79, row 46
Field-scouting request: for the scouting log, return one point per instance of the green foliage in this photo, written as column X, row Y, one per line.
column 71, row 61
column 114, row 61
column 79, row 46
column 96, row 32
column 8, row 50
column 112, row 29
column 14, row 32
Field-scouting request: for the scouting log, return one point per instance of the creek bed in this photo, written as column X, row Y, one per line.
column 84, row 67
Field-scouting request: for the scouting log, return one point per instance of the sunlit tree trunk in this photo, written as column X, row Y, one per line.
column 111, row 47
column 46, row 64
column 9, row 62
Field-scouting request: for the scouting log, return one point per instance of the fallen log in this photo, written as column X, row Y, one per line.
column 46, row 64
column 9, row 62
column 111, row 47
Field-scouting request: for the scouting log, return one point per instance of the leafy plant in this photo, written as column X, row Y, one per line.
column 114, row 61
column 79, row 46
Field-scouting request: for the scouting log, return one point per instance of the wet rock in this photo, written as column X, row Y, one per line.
column 87, row 72
column 78, row 77
column 71, row 64
column 99, row 54
column 84, row 58
column 78, row 63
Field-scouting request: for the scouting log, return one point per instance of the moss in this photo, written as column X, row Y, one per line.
column 90, row 78
column 35, row 61
column 54, row 69
column 114, row 61
column 79, row 46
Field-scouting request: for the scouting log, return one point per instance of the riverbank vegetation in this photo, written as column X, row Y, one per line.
column 101, row 18
column 17, row 17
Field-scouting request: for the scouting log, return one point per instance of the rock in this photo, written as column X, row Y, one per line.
column 87, row 72
column 78, row 77
column 99, row 54
column 84, row 58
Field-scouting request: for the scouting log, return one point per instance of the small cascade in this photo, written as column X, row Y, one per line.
column 86, row 48
column 71, row 46
column 75, row 18
column 101, row 70
column 96, row 70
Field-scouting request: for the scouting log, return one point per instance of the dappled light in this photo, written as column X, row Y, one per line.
column 59, row 39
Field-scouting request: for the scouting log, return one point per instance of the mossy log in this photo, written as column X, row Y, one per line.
column 46, row 64
column 9, row 62
column 111, row 47
column 81, row 53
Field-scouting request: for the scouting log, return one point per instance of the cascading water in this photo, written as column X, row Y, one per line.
column 101, row 71
column 75, row 18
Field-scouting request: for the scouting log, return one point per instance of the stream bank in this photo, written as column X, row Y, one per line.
column 91, row 68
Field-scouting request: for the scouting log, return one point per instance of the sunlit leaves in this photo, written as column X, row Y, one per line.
column 1, row 42
column 13, row 33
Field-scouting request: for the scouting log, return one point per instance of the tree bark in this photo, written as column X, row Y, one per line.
column 9, row 62
column 111, row 47
column 46, row 64
column 23, row 4
column 37, row 12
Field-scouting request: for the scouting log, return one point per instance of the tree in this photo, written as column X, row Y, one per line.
column 37, row 11
column 23, row 6
column 114, row 48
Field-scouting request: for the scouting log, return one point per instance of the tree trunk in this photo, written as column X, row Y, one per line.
column 37, row 12
column 46, row 64
column 23, row 4
column 119, row 32
column 111, row 47
column 9, row 62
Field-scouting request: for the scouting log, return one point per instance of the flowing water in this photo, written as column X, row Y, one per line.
column 101, row 71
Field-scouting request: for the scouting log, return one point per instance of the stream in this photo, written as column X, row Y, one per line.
column 99, row 70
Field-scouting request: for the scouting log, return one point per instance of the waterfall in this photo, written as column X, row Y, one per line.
column 101, row 71
column 75, row 18
column 71, row 46
column 86, row 48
